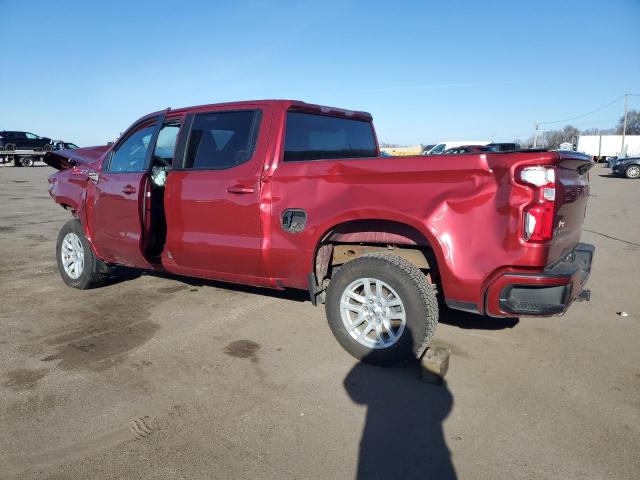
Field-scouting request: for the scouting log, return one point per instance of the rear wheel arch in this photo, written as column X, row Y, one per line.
column 368, row 236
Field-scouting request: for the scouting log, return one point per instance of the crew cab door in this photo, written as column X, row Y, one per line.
column 115, row 196
column 212, row 195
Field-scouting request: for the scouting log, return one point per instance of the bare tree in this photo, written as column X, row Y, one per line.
column 633, row 123
column 553, row 138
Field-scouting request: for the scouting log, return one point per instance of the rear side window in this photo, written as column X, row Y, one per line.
column 221, row 140
column 317, row 137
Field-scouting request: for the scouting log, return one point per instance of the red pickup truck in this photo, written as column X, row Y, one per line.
column 285, row 194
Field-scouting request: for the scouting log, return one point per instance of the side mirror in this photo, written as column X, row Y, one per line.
column 109, row 144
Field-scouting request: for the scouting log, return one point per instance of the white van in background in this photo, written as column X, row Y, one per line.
column 441, row 147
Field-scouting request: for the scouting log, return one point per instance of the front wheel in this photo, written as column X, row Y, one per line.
column 632, row 171
column 76, row 262
column 381, row 309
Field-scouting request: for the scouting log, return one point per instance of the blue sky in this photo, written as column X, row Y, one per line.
column 426, row 70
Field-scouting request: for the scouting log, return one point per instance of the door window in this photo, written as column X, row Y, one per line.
column 221, row 140
column 31, row 136
column 131, row 154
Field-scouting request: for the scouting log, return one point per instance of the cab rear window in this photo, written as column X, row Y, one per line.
column 319, row 137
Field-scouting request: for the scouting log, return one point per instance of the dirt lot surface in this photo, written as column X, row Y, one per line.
column 158, row 377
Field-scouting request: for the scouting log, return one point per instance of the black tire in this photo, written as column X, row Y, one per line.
column 27, row 161
column 417, row 295
column 10, row 147
column 632, row 171
column 47, row 148
column 89, row 278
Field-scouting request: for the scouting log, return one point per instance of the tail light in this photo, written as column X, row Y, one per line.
column 539, row 214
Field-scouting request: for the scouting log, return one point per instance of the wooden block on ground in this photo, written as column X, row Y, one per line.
column 435, row 364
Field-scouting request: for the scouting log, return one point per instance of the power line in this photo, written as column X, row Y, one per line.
column 586, row 114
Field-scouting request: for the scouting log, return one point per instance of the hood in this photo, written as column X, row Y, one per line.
column 66, row 159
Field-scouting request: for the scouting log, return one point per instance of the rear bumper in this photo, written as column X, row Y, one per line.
column 545, row 293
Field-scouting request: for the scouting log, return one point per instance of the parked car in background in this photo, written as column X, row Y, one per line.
column 427, row 148
column 491, row 147
column 15, row 140
column 467, row 149
column 440, row 148
column 62, row 145
column 628, row 166
column 286, row 194
column 504, row 147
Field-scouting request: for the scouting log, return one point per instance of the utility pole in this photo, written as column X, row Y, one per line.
column 624, row 124
column 535, row 138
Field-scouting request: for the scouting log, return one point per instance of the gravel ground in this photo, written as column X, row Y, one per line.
column 164, row 377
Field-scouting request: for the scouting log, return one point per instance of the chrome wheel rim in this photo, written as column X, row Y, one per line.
column 633, row 172
column 373, row 313
column 72, row 255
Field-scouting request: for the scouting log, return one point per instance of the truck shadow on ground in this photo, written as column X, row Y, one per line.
column 448, row 316
column 402, row 435
column 466, row 320
column 125, row 274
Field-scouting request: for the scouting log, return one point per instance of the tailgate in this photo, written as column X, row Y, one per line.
column 572, row 193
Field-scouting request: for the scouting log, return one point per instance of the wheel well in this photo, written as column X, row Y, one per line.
column 352, row 239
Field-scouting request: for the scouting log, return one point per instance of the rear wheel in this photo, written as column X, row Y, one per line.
column 77, row 264
column 381, row 309
column 632, row 171
column 27, row 161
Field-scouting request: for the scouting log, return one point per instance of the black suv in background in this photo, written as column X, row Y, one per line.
column 62, row 145
column 12, row 140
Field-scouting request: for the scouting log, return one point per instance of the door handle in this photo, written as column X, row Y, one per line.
column 129, row 189
column 240, row 189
